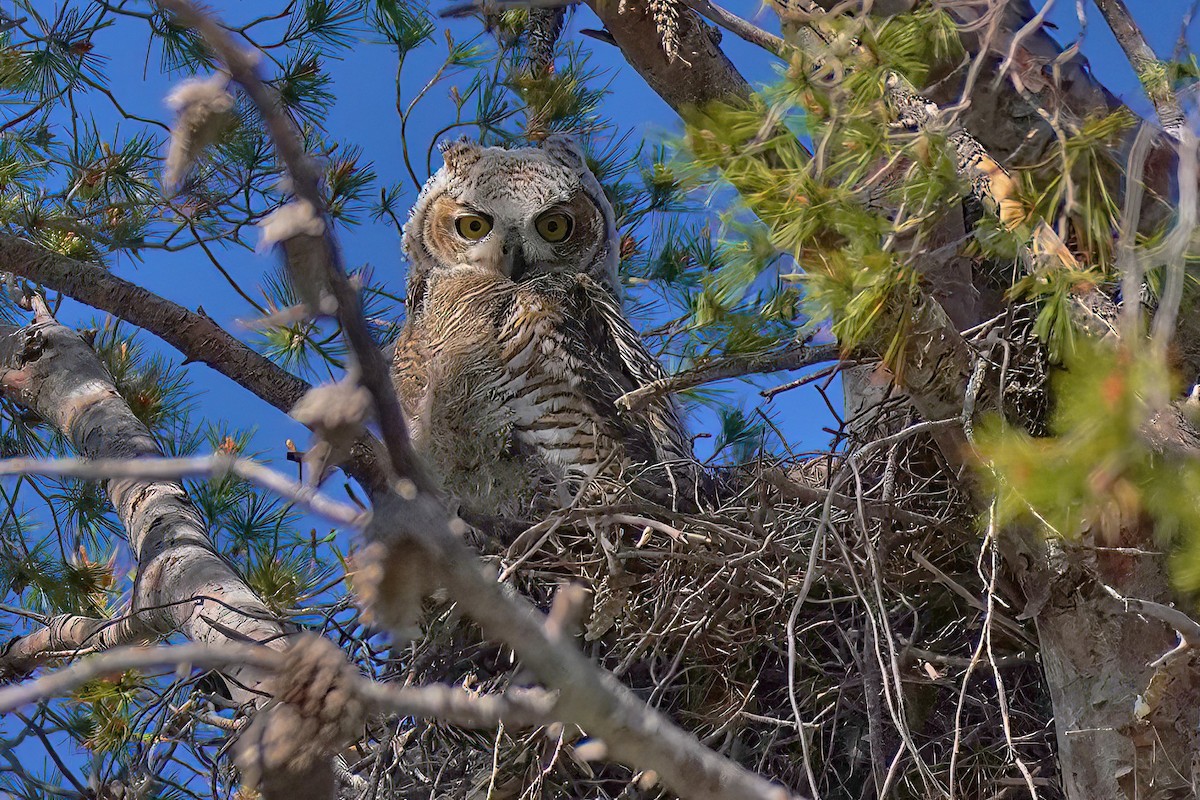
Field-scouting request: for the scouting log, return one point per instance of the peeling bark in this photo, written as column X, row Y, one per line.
column 182, row 583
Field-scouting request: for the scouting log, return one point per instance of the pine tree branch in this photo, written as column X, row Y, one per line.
column 518, row 709
column 68, row 636
column 935, row 371
column 214, row 466
column 59, row 683
column 193, row 334
column 739, row 27
column 314, row 262
column 182, row 583
column 710, row 76
column 1150, row 71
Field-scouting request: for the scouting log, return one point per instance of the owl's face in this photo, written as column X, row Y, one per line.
column 515, row 213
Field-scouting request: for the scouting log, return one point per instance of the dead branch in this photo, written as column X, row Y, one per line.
column 791, row 357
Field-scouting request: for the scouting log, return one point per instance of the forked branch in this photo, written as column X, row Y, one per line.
column 182, row 584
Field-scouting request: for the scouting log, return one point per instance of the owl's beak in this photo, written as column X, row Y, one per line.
column 513, row 255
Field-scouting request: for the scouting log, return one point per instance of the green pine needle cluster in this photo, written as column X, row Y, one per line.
column 1097, row 475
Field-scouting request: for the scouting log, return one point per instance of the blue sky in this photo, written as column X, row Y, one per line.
column 364, row 115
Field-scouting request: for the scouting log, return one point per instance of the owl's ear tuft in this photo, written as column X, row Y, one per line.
column 564, row 149
column 460, row 154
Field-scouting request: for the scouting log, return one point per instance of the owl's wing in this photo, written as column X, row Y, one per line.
column 615, row 361
column 410, row 359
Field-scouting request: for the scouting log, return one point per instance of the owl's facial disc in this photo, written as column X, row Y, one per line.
column 518, row 232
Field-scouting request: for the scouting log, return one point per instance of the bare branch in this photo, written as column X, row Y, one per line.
column 71, row 635
column 197, row 336
column 67, row 679
column 1150, row 70
column 315, row 261
column 1187, row 628
column 51, row 371
column 792, row 357
column 215, row 466
column 520, row 708
column 739, row 27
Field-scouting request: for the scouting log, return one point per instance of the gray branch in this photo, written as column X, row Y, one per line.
column 182, row 583
column 1150, row 70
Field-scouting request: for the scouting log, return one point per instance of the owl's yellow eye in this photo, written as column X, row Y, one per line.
column 554, row 227
column 473, row 226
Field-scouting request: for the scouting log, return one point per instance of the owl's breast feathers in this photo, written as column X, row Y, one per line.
column 571, row 354
column 545, row 361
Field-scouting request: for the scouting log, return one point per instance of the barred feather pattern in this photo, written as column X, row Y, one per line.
column 500, row 377
column 569, row 355
column 541, row 36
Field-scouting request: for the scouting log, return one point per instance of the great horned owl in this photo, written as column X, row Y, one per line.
column 515, row 349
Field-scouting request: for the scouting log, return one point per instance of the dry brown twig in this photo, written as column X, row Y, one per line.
column 788, row 358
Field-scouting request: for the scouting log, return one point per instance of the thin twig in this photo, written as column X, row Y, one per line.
column 741, row 28
column 65, row 680
column 194, row 334
column 217, row 465
column 789, row 358
column 1187, row 628
column 311, row 258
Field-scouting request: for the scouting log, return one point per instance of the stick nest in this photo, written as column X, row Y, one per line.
column 827, row 625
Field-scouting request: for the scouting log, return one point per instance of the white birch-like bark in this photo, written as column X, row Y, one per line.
column 182, row 583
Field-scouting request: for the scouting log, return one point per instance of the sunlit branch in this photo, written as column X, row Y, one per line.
column 215, row 466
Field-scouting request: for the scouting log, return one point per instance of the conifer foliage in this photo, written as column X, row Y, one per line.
column 933, row 222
